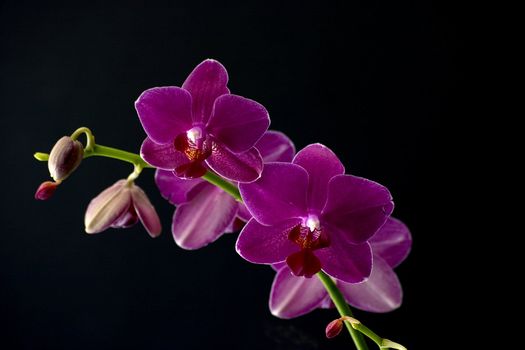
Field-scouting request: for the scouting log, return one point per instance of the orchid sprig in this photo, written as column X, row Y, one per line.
column 93, row 149
column 221, row 168
column 354, row 328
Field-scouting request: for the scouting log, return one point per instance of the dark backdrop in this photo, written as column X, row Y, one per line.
column 372, row 80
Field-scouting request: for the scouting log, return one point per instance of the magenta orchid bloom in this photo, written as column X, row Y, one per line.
column 204, row 212
column 119, row 206
column 201, row 125
column 311, row 215
column 293, row 296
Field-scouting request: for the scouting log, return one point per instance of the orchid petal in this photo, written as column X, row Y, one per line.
column 146, row 212
column 322, row 165
column 392, row 242
column 173, row 188
column 241, row 167
column 204, row 218
column 348, row 262
column 293, row 296
column 207, row 82
column 356, row 208
column 279, row 194
column 238, row 122
column 106, row 208
column 381, row 292
column 266, row 244
column 275, row 146
column 164, row 112
column 163, row 156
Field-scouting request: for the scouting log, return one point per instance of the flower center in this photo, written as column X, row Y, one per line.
column 196, row 146
column 313, row 223
column 194, row 135
column 309, row 236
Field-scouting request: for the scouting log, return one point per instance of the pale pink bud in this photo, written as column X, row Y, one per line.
column 64, row 158
column 120, row 206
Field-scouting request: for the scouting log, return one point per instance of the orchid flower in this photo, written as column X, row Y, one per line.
column 201, row 125
column 293, row 296
column 311, row 215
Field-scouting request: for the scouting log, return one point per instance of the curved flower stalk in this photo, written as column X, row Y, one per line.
column 201, row 125
column 293, row 296
column 305, row 216
column 122, row 221
column 311, row 215
column 205, row 212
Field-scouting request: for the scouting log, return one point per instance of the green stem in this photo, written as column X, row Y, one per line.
column 381, row 342
column 366, row 331
column 93, row 149
column 110, row 152
column 227, row 186
column 105, row 151
column 136, row 172
column 343, row 308
column 90, row 138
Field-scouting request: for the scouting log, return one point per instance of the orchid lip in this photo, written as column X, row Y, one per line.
column 194, row 143
column 309, row 237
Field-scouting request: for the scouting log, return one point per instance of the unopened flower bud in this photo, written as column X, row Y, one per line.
column 334, row 328
column 121, row 206
column 64, row 158
column 46, row 190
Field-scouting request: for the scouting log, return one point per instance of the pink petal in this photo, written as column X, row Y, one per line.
column 106, row 208
column 380, row 293
column 173, row 188
column 204, row 218
column 275, row 146
column 207, row 82
column 146, row 212
column 280, row 193
column 243, row 212
column 392, row 242
column 235, row 225
column 164, row 112
column 241, row 167
column 266, row 244
column 356, row 208
column 238, row 122
column 277, row 266
column 127, row 219
column 322, row 165
column 293, row 296
column 348, row 262
column 163, row 156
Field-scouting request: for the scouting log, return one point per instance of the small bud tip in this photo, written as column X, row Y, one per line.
column 46, row 190
column 334, row 328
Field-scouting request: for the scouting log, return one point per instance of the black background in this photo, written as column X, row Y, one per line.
column 372, row 80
